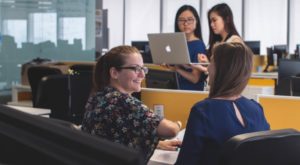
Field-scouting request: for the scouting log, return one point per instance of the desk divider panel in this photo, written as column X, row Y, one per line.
column 176, row 103
column 281, row 111
column 262, row 82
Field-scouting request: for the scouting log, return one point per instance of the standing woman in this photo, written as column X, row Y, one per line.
column 114, row 114
column 187, row 21
column 221, row 26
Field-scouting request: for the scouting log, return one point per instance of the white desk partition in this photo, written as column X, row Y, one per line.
column 32, row 111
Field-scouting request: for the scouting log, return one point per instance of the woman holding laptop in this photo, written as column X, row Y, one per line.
column 187, row 21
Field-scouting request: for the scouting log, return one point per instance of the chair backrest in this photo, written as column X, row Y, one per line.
column 65, row 95
column 35, row 74
column 80, row 86
column 274, row 147
column 53, row 93
column 77, row 68
column 295, row 86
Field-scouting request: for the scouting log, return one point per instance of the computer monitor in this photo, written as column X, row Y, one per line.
column 297, row 51
column 270, row 58
column 274, row 54
column 287, row 68
column 162, row 79
column 254, row 46
column 28, row 139
column 280, row 51
column 143, row 47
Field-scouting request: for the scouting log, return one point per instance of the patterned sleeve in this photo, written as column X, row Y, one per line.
column 145, row 119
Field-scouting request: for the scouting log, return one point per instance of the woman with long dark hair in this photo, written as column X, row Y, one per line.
column 187, row 21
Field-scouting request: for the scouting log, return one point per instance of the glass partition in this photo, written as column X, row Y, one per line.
column 59, row 30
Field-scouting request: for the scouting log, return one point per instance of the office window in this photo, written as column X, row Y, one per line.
column 72, row 28
column 43, row 27
column 266, row 21
column 236, row 7
column 294, row 25
column 114, row 21
column 17, row 29
column 60, row 30
column 170, row 8
column 141, row 17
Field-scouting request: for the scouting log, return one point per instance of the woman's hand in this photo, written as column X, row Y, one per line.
column 170, row 145
column 200, row 67
column 202, row 58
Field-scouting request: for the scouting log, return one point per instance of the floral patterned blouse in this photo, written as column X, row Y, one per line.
column 123, row 119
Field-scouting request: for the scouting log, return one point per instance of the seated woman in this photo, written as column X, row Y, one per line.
column 225, row 113
column 112, row 113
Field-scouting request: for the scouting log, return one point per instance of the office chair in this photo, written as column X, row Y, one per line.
column 80, row 86
column 295, row 85
column 35, row 74
column 275, row 147
column 53, row 94
column 77, row 68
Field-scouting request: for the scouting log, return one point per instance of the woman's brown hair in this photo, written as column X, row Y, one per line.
column 116, row 57
column 233, row 65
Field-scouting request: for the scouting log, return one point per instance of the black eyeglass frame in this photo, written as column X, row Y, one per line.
column 137, row 69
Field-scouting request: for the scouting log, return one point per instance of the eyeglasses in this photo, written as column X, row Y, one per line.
column 183, row 21
column 137, row 69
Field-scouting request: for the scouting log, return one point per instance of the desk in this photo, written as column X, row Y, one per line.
column 263, row 78
column 16, row 90
column 32, row 111
column 162, row 157
column 265, row 75
column 251, row 91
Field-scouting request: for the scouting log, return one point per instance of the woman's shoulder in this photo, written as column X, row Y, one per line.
column 235, row 38
column 203, row 105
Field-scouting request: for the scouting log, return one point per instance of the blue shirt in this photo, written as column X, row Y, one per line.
column 212, row 122
column 195, row 47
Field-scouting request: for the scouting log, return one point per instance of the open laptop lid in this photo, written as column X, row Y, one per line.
column 169, row 48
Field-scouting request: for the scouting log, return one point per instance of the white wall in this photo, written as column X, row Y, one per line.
column 265, row 20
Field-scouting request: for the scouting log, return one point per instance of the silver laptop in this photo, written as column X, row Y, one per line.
column 169, row 48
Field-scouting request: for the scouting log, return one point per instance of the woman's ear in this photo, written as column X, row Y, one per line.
column 113, row 73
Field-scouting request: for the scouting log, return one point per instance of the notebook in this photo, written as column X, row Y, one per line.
column 169, row 48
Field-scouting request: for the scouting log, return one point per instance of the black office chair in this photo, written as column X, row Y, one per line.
column 77, row 68
column 276, row 147
column 295, row 85
column 35, row 74
column 80, row 86
column 53, row 94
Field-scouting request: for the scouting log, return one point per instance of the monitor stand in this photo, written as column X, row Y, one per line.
column 266, row 68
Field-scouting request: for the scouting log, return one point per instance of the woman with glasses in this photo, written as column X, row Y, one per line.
column 114, row 114
column 187, row 21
